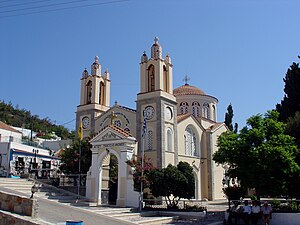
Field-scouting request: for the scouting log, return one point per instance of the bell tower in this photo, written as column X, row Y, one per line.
column 94, row 97
column 157, row 105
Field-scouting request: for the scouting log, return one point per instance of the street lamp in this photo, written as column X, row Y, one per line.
column 35, row 151
column 226, row 182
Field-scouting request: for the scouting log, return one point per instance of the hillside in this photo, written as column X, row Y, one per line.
column 23, row 118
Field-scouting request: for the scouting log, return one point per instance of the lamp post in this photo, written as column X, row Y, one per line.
column 35, row 151
column 226, row 182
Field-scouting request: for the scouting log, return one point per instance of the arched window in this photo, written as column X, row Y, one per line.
column 101, row 94
column 165, row 74
column 169, row 140
column 89, row 92
column 184, row 107
column 214, row 113
column 190, row 141
column 205, row 110
column 151, row 78
column 149, row 143
column 196, row 109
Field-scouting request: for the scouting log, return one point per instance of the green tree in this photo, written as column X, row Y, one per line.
column 173, row 183
column 291, row 101
column 261, row 156
column 70, row 157
column 228, row 119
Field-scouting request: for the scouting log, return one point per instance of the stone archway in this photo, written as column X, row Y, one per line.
column 112, row 140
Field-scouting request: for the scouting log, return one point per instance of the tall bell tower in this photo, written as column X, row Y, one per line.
column 156, row 104
column 94, row 97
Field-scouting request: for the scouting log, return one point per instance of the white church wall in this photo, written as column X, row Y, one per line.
column 218, row 169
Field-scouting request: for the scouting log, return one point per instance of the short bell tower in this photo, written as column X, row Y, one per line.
column 94, row 97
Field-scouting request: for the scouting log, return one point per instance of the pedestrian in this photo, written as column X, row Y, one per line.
column 266, row 210
column 34, row 189
column 233, row 213
column 255, row 212
column 246, row 212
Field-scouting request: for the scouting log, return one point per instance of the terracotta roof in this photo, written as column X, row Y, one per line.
column 187, row 90
column 4, row 126
column 183, row 117
column 120, row 130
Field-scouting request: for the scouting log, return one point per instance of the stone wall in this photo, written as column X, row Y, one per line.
column 7, row 218
column 18, row 204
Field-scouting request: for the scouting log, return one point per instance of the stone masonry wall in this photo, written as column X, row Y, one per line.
column 18, row 204
column 7, row 218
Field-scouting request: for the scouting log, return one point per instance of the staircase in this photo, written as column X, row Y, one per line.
column 48, row 192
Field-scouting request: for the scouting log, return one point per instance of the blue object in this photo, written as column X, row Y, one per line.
column 72, row 222
column 13, row 176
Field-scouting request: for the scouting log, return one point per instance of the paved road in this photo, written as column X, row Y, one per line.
column 55, row 213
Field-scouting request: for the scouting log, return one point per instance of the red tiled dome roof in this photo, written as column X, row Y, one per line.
column 187, row 90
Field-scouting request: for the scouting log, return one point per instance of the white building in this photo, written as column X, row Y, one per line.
column 181, row 126
column 23, row 158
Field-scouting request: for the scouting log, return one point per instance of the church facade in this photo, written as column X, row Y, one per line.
column 181, row 125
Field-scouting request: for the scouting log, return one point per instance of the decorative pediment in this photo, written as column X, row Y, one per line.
column 111, row 134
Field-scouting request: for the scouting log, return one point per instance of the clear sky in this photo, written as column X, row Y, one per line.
column 237, row 51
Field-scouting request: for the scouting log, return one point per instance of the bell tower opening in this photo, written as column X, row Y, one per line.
column 89, row 92
column 102, row 93
column 165, row 79
column 151, row 78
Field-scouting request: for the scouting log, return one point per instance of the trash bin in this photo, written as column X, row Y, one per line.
column 73, row 222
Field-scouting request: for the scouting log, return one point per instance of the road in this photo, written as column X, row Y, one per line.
column 57, row 213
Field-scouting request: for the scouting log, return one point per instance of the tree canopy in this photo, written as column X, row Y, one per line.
column 173, row 183
column 261, row 156
column 14, row 116
column 70, row 157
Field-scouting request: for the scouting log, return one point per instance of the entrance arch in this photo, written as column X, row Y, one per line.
column 115, row 141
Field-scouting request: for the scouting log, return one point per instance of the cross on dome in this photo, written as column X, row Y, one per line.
column 186, row 79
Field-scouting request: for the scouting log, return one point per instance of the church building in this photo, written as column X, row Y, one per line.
column 181, row 125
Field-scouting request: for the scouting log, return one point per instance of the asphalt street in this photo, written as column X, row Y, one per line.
column 57, row 213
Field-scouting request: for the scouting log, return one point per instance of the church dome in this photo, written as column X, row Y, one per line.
column 187, row 90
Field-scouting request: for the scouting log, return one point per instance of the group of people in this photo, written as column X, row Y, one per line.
column 250, row 213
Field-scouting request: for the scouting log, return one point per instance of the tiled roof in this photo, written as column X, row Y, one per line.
column 187, row 90
column 120, row 130
column 183, row 117
column 4, row 126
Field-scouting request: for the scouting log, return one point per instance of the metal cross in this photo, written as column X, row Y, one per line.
column 186, row 79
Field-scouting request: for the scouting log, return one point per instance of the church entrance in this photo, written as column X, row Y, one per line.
column 109, row 180
column 113, row 180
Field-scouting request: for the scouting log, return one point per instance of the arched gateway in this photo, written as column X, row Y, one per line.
column 115, row 141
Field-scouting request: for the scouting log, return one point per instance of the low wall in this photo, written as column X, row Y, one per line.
column 7, row 218
column 18, row 204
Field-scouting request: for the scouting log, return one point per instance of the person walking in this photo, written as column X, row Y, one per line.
column 255, row 212
column 246, row 212
column 266, row 210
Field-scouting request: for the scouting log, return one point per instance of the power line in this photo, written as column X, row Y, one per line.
column 26, row 3
column 44, row 6
column 65, row 8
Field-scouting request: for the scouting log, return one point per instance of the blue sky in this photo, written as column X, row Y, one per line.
column 237, row 51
